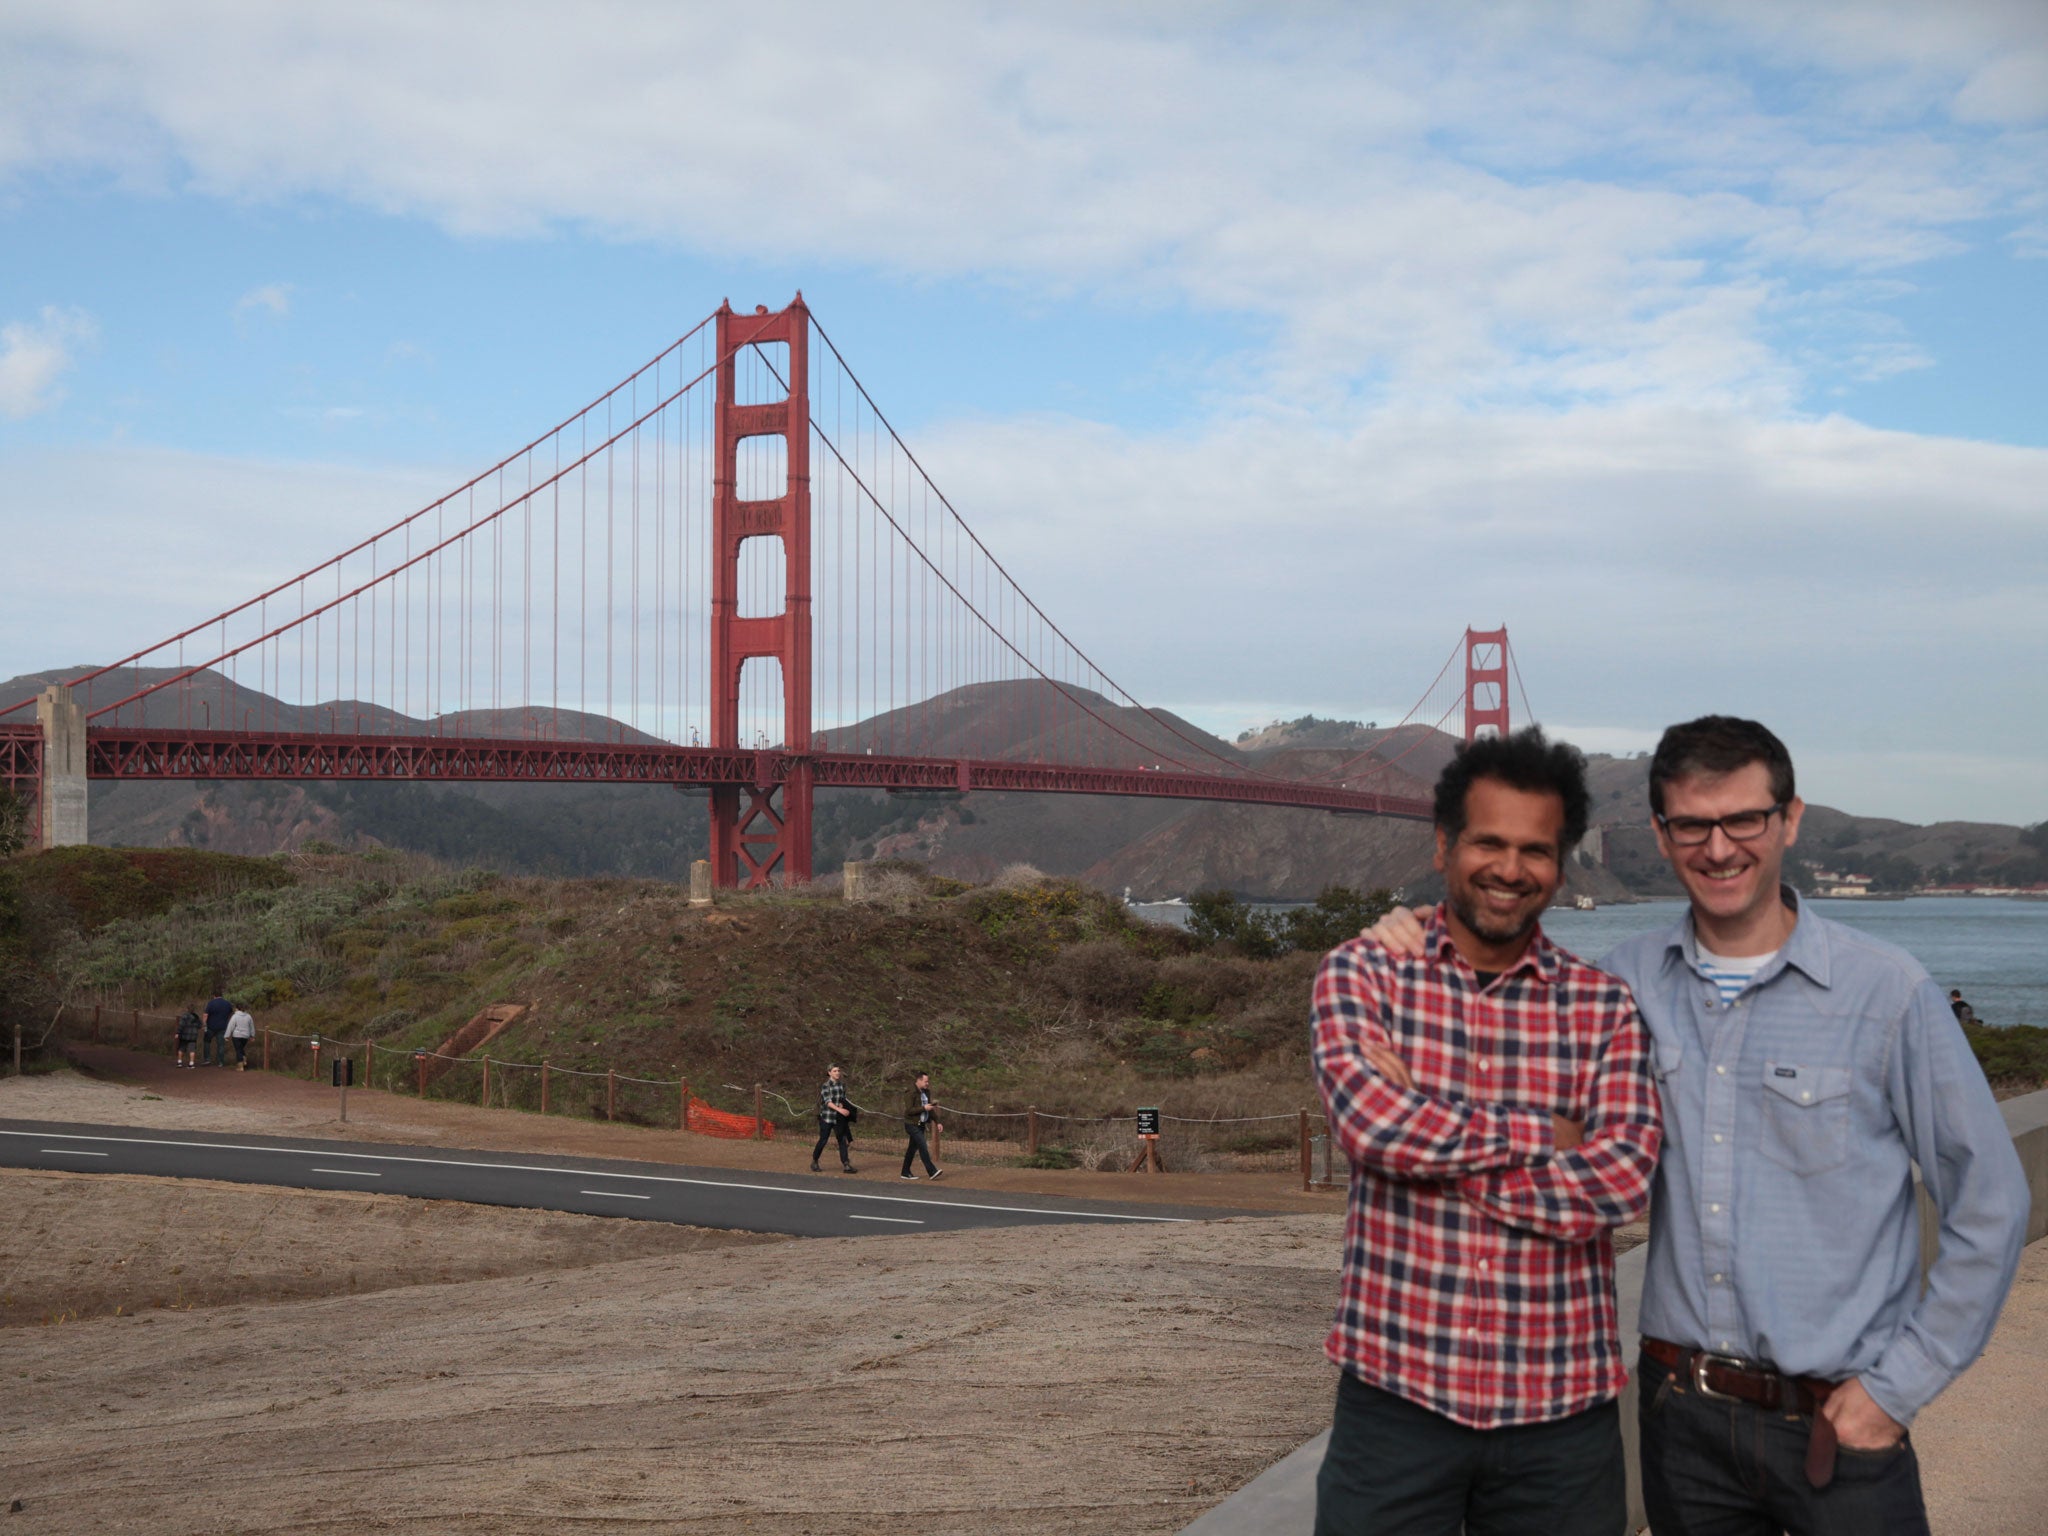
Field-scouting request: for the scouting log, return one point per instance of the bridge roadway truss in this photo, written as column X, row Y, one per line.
column 127, row 753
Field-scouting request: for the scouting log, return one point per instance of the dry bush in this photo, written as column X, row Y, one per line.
column 1018, row 877
column 893, row 890
column 1104, row 975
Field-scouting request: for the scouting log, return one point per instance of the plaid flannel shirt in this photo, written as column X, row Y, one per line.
column 830, row 1093
column 1478, row 1260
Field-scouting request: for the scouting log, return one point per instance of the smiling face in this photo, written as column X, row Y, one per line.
column 1733, row 885
column 1501, row 870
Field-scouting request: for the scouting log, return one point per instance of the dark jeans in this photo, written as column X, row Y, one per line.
column 918, row 1147
column 214, row 1051
column 241, row 1044
column 1396, row 1469
column 826, row 1131
column 1731, row 1469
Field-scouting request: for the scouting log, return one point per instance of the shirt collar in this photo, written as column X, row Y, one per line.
column 1539, row 959
column 1805, row 947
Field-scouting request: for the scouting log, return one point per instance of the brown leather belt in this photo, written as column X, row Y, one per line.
column 1729, row 1379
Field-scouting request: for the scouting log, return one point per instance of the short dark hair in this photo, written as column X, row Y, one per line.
column 1527, row 761
column 1714, row 745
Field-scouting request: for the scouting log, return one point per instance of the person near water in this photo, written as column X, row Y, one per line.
column 1964, row 1013
column 919, row 1119
column 1494, row 1097
column 1807, row 1070
column 835, row 1121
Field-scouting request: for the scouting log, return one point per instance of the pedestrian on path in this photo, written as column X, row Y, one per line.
column 917, row 1120
column 185, row 1052
column 213, row 1052
column 835, row 1120
column 241, row 1030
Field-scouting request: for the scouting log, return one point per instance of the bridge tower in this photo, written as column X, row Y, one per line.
column 1486, row 682
column 761, row 827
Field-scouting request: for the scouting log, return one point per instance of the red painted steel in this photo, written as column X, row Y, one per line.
column 21, row 772
column 1486, row 668
column 752, row 843
column 126, row 753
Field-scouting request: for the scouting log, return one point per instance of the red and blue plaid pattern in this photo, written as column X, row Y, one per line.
column 1478, row 1262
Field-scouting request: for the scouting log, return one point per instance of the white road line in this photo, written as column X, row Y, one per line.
column 71, row 1152
column 902, row 1221
column 613, row 1194
column 350, row 1173
column 603, row 1173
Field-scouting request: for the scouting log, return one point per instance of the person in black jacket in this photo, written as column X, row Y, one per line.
column 835, row 1118
column 917, row 1119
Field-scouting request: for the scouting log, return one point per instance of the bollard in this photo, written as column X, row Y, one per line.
column 315, row 1072
column 700, row 883
column 686, row 1104
column 1031, row 1130
column 757, row 1112
column 1307, row 1167
column 853, row 881
column 611, row 1091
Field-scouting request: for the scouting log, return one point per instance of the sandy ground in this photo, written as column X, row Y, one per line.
column 1076, row 1379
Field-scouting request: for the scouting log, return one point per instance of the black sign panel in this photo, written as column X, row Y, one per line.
column 344, row 1071
column 1148, row 1122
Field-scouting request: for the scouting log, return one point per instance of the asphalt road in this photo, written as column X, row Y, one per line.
column 814, row 1205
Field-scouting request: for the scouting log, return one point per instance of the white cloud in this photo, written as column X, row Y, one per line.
column 35, row 354
column 272, row 299
column 1512, row 203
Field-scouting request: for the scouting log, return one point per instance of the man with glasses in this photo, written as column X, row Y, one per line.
column 1805, row 1069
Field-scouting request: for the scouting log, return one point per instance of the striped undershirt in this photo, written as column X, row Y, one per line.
column 1731, row 973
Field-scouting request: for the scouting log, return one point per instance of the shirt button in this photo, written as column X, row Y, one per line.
column 1482, row 1265
column 1715, row 1209
column 1722, row 1070
column 1805, row 1095
column 1717, row 1136
column 1472, row 1333
column 1717, row 1279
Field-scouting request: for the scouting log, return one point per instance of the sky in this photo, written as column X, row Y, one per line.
column 1269, row 345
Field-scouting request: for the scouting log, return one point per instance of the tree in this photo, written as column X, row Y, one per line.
column 1337, row 914
column 13, row 823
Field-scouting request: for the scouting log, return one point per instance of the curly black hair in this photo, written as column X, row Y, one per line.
column 1526, row 760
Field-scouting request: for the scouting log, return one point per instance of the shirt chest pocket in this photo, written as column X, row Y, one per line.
column 1806, row 1116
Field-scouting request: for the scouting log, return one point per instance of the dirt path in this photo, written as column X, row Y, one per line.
column 140, row 1088
column 1074, row 1379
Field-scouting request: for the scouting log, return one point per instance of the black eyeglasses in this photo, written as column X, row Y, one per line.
column 1691, row 831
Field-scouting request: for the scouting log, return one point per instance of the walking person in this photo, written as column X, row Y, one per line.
column 835, row 1120
column 1806, row 1070
column 917, row 1120
column 213, row 1051
column 241, row 1030
column 186, row 1042
column 1494, row 1097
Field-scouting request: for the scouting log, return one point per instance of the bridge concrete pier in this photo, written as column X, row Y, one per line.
column 63, row 791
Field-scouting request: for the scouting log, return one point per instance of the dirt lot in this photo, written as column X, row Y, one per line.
column 1082, row 1379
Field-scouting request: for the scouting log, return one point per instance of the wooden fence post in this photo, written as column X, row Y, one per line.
column 369, row 1064
column 686, row 1104
column 266, row 1050
column 419, row 1062
column 543, row 1085
column 134, row 1028
column 486, row 1099
column 757, row 1112
column 611, row 1091
column 1031, row 1130
column 1307, row 1165
column 95, row 1023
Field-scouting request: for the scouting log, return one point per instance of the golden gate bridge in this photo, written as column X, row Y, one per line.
column 728, row 573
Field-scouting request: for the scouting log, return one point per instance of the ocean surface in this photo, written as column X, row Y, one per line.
column 1993, row 947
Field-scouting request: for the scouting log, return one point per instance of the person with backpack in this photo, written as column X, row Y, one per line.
column 918, row 1113
column 185, row 1043
column 213, row 1052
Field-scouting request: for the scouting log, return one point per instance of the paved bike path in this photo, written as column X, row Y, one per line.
column 818, row 1205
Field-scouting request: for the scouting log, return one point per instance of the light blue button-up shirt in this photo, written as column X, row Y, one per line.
column 1782, row 1223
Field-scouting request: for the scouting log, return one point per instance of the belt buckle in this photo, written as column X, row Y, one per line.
column 1700, row 1362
